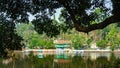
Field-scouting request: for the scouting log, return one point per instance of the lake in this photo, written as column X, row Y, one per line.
column 62, row 60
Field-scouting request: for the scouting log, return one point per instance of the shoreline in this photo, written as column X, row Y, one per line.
column 68, row 50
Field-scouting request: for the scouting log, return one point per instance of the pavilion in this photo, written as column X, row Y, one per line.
column 62, row 44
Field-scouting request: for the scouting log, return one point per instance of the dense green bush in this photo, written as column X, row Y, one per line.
column 102, row 44
column 78, row 41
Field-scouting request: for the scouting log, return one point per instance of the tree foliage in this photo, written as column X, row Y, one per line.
column 78, row 41
column 78, row 12
column 102, row 44
column 37, row 41
column 9, row 40
column 31, row 38
column 110, row 37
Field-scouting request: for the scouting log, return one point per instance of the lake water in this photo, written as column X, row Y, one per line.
column 62, row 60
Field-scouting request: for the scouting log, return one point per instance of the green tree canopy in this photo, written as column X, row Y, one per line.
column 9, row 40
column 83, row 15
column 79, row 13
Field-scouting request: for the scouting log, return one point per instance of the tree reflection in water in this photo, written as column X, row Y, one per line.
column 61, row 61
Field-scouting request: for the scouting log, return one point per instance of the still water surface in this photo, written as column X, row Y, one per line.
column 64, row 60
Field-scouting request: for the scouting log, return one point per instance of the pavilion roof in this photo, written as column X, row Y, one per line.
column 62, row 42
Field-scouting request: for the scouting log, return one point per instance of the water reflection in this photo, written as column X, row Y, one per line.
column 64, row 60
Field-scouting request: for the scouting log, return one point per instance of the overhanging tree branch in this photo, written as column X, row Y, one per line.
column 113, row 19
column 101, row 25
